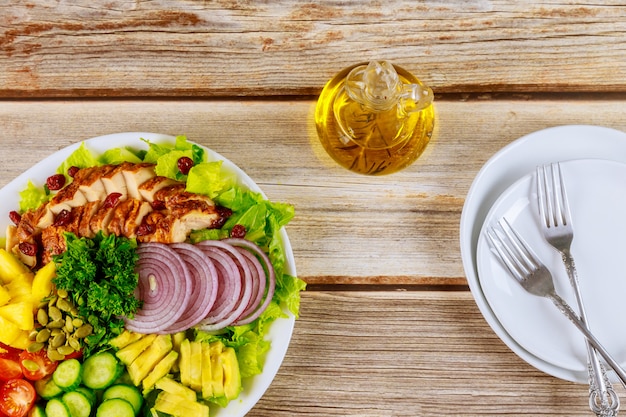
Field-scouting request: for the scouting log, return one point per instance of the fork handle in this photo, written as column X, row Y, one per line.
column 582, row 327
column 601, row 390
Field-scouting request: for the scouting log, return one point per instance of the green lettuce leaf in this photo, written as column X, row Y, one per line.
column 32, row 197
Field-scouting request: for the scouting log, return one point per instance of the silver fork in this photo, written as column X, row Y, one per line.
column 556, row 225
column 534, row 277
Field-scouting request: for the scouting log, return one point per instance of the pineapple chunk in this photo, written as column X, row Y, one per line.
column 42, row 282
column 124, row 339
column 5, row 297
column 207, row 381
column 19, row 290
column 195, row 376
column 22, row 341
column 148, row 359
column 185, row 362
column 130, row 352
column 20, row 313
column 10, row 332
column 232, row 376
column 217, row 368
column 11, row 267
column 179, row 406
column 173, row 387
column 160, row 370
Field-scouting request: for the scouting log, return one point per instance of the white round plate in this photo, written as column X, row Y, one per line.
column 597, row 194
column 505, row 167
column 280, row 331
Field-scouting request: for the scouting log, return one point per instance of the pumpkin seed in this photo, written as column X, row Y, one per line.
column 54, row 313
column 43, row 336
column 65, row 350
column 35, row 347
column 58, row 340
column 83, row 331
column 42, row 317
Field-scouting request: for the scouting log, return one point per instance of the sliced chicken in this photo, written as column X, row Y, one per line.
column 148, row 189
column 126, row 200
column 90, row 182
column 127, row 216
column 136, row 175
column 114, row 181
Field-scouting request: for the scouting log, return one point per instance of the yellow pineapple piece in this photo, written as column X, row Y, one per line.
column 19, row 290
column 11, row 267
column 5, row 296
column 42, row 282
column 22, row 340
column 10, row 332
column 20, row 314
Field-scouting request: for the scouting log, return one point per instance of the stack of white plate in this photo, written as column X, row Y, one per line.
column 593, row 161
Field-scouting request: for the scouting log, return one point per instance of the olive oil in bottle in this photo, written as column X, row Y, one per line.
column 375, row 119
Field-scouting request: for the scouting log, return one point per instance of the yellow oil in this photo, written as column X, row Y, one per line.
column 374, row 142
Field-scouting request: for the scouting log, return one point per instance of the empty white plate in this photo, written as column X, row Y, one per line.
column 597, row 193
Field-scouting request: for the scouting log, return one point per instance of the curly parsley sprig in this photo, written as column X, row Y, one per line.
column 99, row 275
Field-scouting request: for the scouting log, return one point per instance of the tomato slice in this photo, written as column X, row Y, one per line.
column 17, row 397
column 9, row 352
column 9, row 369
column 36, row 365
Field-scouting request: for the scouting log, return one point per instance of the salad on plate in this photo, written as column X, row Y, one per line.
column 151, row 277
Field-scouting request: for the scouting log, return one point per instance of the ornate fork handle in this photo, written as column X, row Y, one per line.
column 603, row 403
column 602, row 397
column 582, row 327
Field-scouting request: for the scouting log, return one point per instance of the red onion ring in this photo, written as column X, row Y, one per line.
column 203, row 286
column 245, row 277
column 229, row 284
column 163, row 287
column 271, row 276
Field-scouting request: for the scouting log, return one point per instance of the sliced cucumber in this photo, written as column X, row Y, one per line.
column 56, row 408
column 115, row 407
column 68, row 374
column 77, row 404
column 101, row 370
column 88, row 393
column 37, row 411
column 46, row 388
column 126, row 392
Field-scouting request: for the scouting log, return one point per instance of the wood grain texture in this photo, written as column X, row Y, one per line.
column 400, row 229
column 130, row 48
column 407, row 354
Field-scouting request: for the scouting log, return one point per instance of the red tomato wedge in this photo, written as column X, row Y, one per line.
column 9, row 369
column 36, row 365
column 17, row 397
column 9, row 352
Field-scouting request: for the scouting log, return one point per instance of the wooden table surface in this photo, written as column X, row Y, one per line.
column 388, row 326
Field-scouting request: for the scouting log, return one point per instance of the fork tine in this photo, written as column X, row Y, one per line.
column 563, row 204
column 542, row 195
column 512, row 250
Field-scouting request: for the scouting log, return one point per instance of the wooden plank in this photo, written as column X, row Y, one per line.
column 428, row 354
column 223, row 48
column 401, row 229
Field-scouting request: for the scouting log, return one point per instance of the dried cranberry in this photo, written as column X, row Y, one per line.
column 144, row 229
column 111, row 200
column 158, row 205
column 55, row 182
column 63, row 218
column 71, row 171
column 15, row 217
column 28, row 249
column 238, row 231
column 184, row 164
